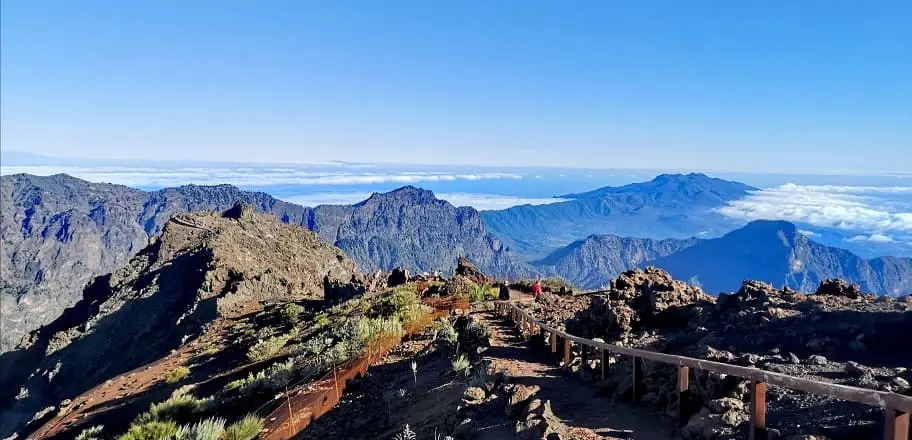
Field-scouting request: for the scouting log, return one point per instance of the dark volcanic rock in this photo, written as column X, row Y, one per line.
column 837, row 287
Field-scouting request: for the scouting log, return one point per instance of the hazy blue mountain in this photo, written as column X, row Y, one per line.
column 776, row 252
column 669, row 206
column 597, row 259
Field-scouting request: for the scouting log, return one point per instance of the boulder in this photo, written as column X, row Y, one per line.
column 726, row 404
column 467, row 269
column 474, row 394
column 817, row 360
column 397, row 277
column 838, row 287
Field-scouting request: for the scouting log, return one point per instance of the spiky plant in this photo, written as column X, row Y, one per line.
column 406, row 434
column 90, row 433
column 415, row 371
column 461, row 364
column 151, row 430
column 206, row 429
column 245, row 429
column 175, row 375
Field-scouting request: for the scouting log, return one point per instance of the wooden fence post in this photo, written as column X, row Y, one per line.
column 567, row 343
column 553, row 342
column 606, row 356
column 637, row 376
column 683, row 394
column 758, row 411
column 896, row 425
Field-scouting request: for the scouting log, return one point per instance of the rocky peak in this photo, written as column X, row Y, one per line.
column 406, row 194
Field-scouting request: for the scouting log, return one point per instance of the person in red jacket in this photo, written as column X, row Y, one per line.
column 536, row 289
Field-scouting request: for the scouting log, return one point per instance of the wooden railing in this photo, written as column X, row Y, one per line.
column 896, row 407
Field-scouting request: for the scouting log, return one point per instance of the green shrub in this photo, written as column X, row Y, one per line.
column 207, row 429
column 267, row 348
column 477, row 292
column 90, row 433
column 245, row 429
column 150, row 430
column 461, row 364
column 290, row 312
column 443, row 329
column 181, row 408
column 175, row 375
column 395, row 301
column 273, row 378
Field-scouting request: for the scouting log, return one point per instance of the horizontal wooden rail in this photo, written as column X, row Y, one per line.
column 896, row 407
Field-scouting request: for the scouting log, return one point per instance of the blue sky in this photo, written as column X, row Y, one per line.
column 779, row 86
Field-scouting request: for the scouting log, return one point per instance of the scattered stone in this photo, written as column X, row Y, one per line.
column 901, row 385
column 855, row 369
column 794, row 359
column 726, row 404
column 518, row 396
column 817, row 360
column 397, row 277
column 838, row 287
column 474, row 394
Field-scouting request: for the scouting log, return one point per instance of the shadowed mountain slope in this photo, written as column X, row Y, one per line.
column 774, row 251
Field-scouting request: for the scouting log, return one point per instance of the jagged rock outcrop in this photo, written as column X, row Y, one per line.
column 203, row 267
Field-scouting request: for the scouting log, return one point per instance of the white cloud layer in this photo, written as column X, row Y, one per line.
column 476, row 200
column 249, row 176
column 873, row 238
column 483, row 202
column 872, row 213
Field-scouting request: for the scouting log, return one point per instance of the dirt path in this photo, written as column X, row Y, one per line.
column 575, row 402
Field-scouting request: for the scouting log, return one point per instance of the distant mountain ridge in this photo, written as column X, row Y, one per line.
column 597, row 259
column 669, row 206
column 776, row 252
column 58, row 232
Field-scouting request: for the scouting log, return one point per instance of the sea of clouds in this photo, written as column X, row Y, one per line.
column 866, row 214
column 152, row 177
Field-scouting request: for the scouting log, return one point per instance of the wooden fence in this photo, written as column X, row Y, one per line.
column 896, row 407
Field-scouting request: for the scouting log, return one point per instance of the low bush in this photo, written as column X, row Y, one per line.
column 273, row 378
column 245, row 429
column 150, row 430
column 93, row 433
column 461, row 365
column 290, row 313
column 444, row 330
column 266, row 348
column 180, row 407
column 175, row 375
column 207, row 429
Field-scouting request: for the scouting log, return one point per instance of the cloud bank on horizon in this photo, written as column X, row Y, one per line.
column 869, row 214
column 479, row 201
column 152, row 177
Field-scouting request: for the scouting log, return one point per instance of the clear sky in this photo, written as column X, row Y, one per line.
column 785, row 86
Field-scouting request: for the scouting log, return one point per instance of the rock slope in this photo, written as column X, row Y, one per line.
column 203, row 267
column 58, row 232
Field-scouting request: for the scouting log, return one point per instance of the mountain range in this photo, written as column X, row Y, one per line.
column 669, row 206
column 58, row 233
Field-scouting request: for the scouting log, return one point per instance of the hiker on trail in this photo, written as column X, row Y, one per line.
column 536, row 289
column 504, row 292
